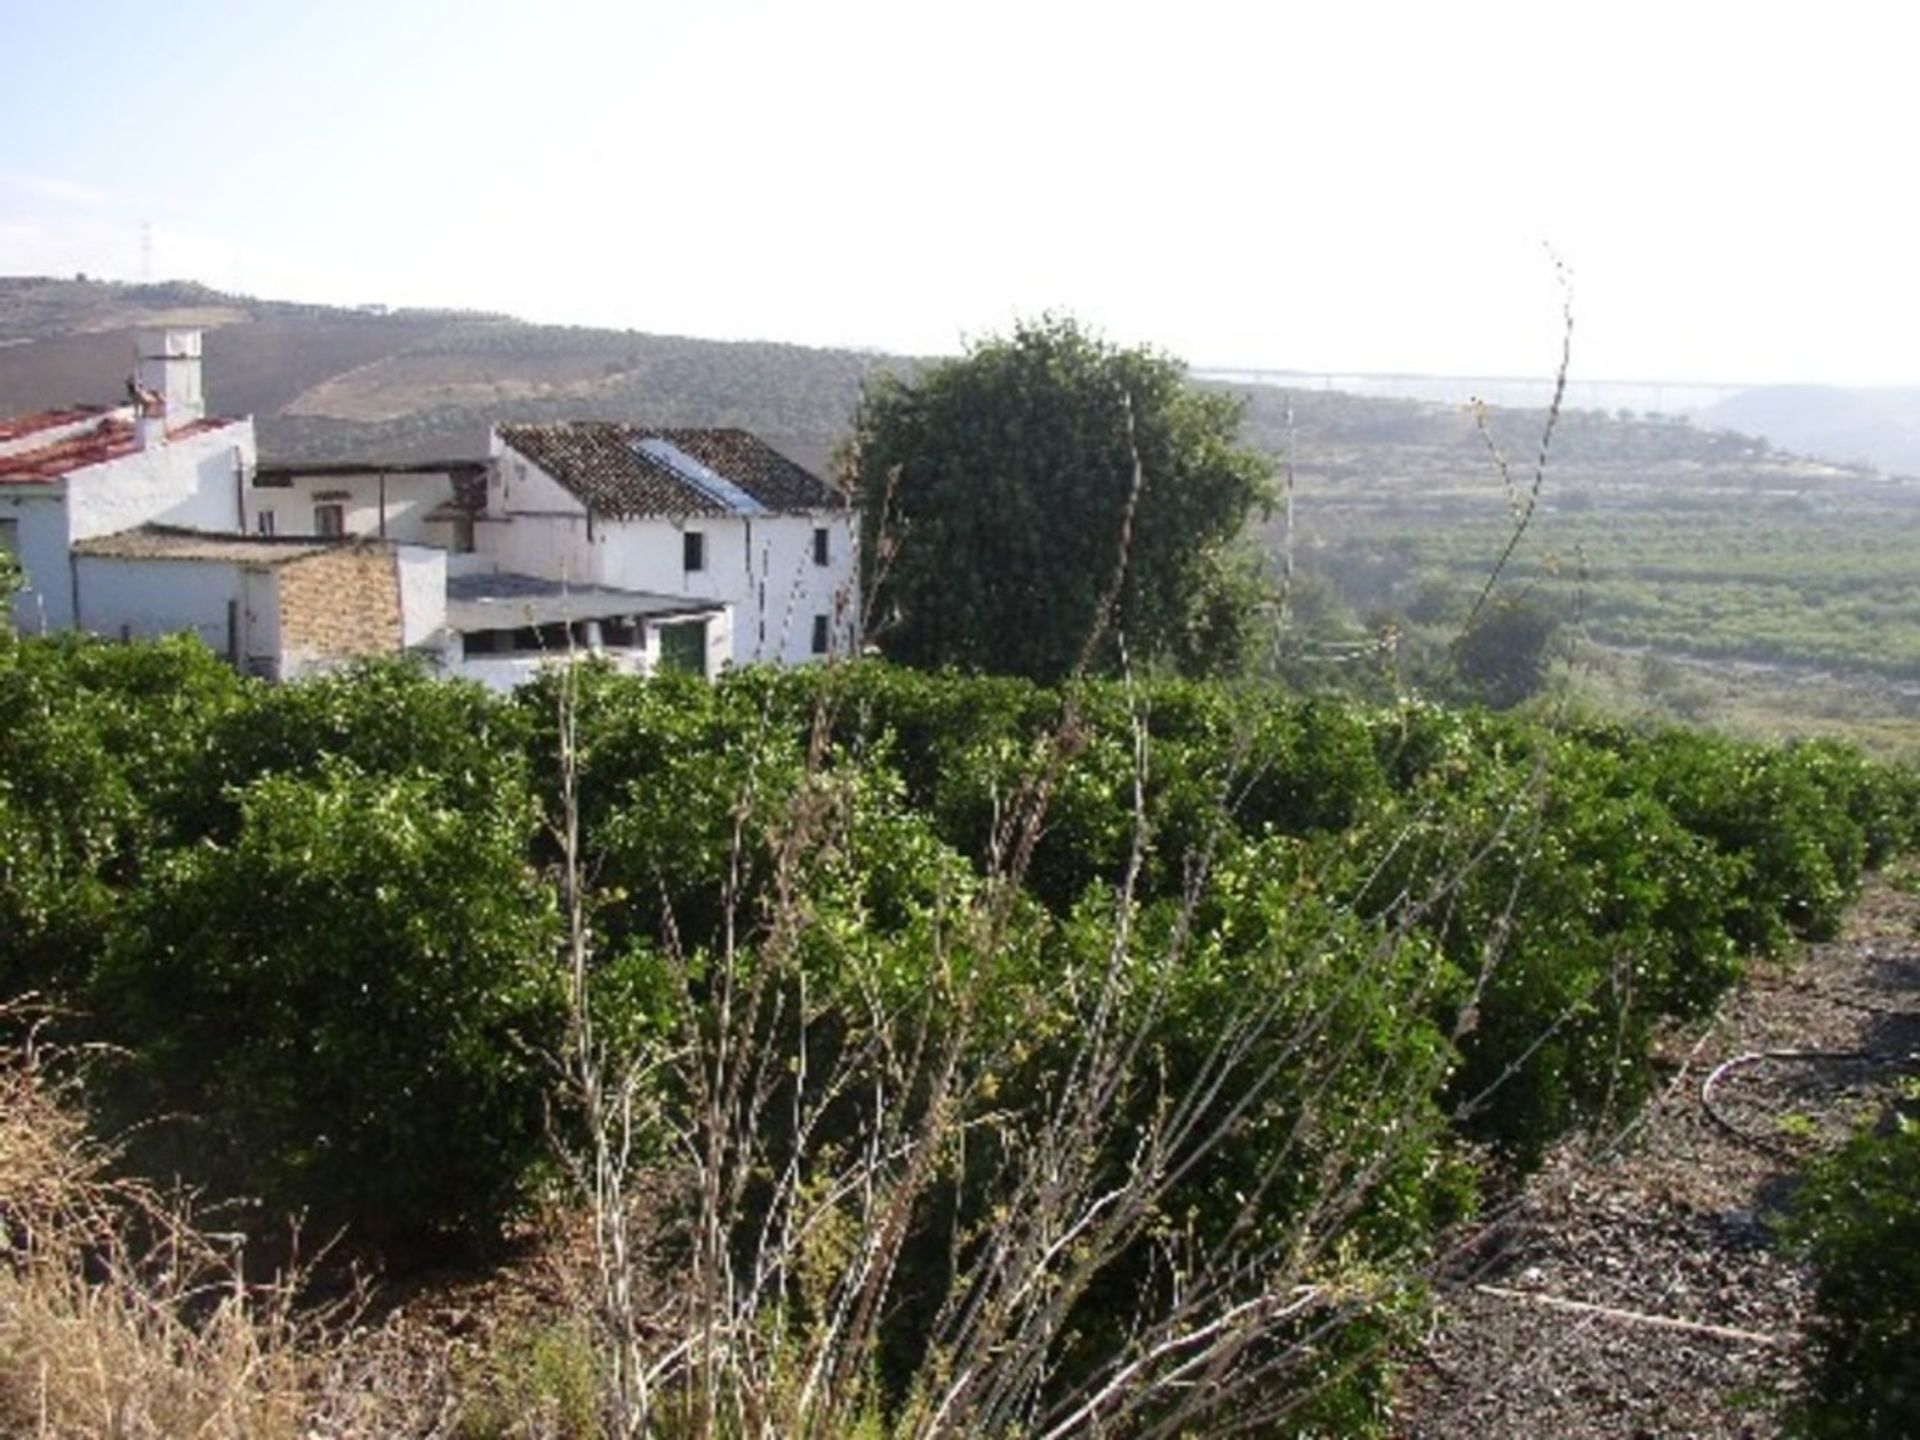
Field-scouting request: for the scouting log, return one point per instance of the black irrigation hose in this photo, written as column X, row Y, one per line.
column 1756, row 1057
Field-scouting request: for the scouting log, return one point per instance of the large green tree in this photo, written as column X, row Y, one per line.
column 995, row 492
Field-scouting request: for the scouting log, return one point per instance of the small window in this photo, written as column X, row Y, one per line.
column 694, row 549
column 329, row 520
column 820, row 545
column 263, row 522
column 819, row 634
column 10, row 538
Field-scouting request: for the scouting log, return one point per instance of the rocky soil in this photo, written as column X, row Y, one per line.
column 1636, row 1288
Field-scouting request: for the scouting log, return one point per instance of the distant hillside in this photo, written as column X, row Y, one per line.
column 1872, row 427
column 1663, row 535
column 327, row 382
column 1326, row 422
column 410, row 384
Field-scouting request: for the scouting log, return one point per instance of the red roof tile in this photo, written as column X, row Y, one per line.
column 22, row 425
column 111, row 439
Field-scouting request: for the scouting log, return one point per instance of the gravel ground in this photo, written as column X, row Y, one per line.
column 1638, row 1292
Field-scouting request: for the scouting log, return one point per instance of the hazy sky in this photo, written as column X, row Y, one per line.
column 1331, row 185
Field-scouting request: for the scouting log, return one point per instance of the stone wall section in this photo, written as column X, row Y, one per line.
column 340, row 605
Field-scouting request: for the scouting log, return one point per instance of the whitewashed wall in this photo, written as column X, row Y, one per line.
column 143, row 599
column 776, row 620
column 423, row 593
column 260, row 591
column 720, row 642
column 502, row 673
column 193, row 481
column 518, row 486
column 554, row 547
column 408, row 500
column 650, row 556
column 762, row 566
column 545, row 529
column 39, row 513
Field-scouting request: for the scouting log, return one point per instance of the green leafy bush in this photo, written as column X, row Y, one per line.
column 322, row 916
column 1858, row 1219
column 350, row 1004
column 1776, row 815
column 386, row 718
column 94, row 739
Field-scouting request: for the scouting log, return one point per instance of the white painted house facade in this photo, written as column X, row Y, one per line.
column 698, row 548
column 692, row 549
column 716, row 514
column 72, row 475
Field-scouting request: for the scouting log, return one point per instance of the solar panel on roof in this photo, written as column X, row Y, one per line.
column 709, row 482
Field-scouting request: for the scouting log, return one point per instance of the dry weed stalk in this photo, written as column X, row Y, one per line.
column 1521, row 503
column 120, row 1316
column 797, row 1151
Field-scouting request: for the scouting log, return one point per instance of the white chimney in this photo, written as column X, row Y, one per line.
column 170, row 368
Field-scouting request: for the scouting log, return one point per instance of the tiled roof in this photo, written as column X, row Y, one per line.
column 603, row 464
column 111, row 439
column 24, row 425
column 108, row 440
column 171, row 542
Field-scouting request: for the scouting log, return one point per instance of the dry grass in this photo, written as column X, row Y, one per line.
column 120, row 1317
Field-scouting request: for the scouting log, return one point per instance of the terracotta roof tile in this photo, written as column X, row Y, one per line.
column 111, row 439
column 602, row 463
column 24, row 425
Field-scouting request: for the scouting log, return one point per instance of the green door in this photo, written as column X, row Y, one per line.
column 683, row 647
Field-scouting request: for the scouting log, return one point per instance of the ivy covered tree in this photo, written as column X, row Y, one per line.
column 996, row 492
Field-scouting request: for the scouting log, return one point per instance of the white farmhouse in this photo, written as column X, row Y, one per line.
column 73, row 475
column 689, row 549
column 500, row 625
column 713, row 515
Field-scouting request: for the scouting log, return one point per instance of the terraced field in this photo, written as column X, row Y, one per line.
column 1700, row 575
